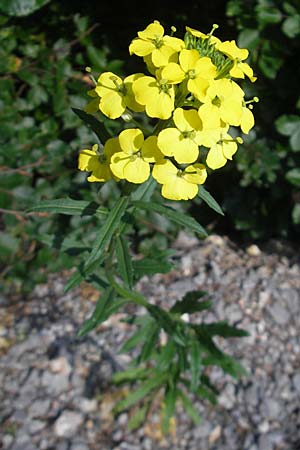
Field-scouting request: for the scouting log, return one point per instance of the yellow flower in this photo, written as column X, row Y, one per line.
column 199, row 34
column 247, row 120
column 115, row 95
column 96, row 162
column 238, row 55
column 183, row 141
column 223, row 102
column 179, row 184
column 220, row 152
column 152, row 41
column 132, row 160
column 198, row 71
column 156, row 94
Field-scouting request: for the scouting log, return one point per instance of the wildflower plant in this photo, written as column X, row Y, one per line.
column 194, row 107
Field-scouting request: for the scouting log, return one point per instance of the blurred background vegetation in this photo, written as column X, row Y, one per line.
column 45, row 46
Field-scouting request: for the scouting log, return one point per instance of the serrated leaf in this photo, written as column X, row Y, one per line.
column 96, row 126
column 98, row 315
column 141, row 392
column 166, row 322
column 195, row 364
column 189, row 407
column 139, row 336
column 227, row 363
column 71, row 207
column 169, row 408
column 149, row 344
column 138, row 417
column 190, row 303
column 150, row 266
column 209, row 200
column 173, row 215
column 131, row 374
column 106, row 233
column 222, row 329
column 124, row 261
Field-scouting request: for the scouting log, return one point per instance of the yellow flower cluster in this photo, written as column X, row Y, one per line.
column 190, row 90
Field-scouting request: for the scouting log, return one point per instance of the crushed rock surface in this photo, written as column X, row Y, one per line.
column 56, row 391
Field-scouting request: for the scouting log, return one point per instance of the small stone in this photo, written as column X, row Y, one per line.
column 55, row 383
column 67, row 424
column 279, row 313
column 215, row 434
column 296, row 382
column 88, row 405
column 60, row 365
column 39, row 408
column 253, row 250
column 265, row 443
column 264, row 426
column 35, row 426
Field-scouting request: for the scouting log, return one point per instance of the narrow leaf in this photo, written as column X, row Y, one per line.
column 190, row 304
column 209, row 200
column 189, row 407
column 131, row 374
column 141, row 392
column 150, row 266
column 70, row 207
column 195, row 364
column 97, row 316
column 169, row 408
column 223, row 329
column 124, row 261
column 173, row 215
column 144, row 191
column 96, row 126
column 166, row 322
column 138, row 417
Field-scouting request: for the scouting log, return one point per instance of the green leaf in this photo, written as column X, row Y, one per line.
column 96, row 126
column 150, row 343
column 138, row 417
column 70, row 207
column 222, row 329
column 189, row 407
column 150, row 266
column 140, row 335
column 124, row 261
column 169, row 408
column 248, row 38
column 227, row 363
column 293, row 177
column 173, row 215
column 21, row 7
column 287, row 124
column 98, row 315
column 107, row 231
column 166, row 322
column 296, row 214
column 209, row 200
column 195, row 364
column 190, row 304
column 131, row 374
column 141, row 392
column 81, row 274
column 291, row 26
column 144, row 191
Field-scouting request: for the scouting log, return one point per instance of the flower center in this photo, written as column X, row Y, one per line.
column 216, row 101
column 191, row 74
column 158, row 42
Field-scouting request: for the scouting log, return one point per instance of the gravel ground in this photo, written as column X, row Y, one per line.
column 56, row 392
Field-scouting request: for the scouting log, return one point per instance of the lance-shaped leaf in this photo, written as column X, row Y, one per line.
column 99, row 313
column 98, row 254
column 150, row 266
column 144, row 191
column 195, row 364
column 173, row 215
column 169, row 407
column 95, row 125
column 124, row 261
column 209, row 200
column 167, row 323
column 223, row 329
column 148, row 386
column 70, row 207
column 189, row 407
column 138, row 417
column 190, row 303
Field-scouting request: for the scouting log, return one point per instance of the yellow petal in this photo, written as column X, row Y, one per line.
column 229, row 149
column 198, row 87
column 188, row 59
column 167, row 140
column 84, row 159
column 129, row 98
column 173, row 73
column 92, row 106
column 179, row 189
column 153, row 31
column 137, row 171
column 111, row 147
column 215, row 158
column 173, row 42
column 187, row 120
column 106, row 83
column 100, row 174
column 164, row 171
column 210, row 115
column 229, row 48
column 160, row 105
column 247, row 120
column 150, row 151
column 118, row 163
column 131, row 140
column 195, row 173
column 112, row 105
column 163, row 55
column 140, row 47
